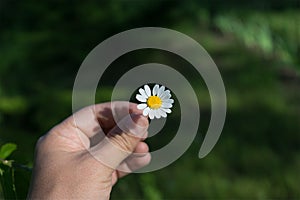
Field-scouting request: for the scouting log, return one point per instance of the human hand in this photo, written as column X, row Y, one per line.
column 76, row 161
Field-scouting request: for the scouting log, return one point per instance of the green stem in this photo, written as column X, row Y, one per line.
column 7, row 177
column 8, row 182
column 12, row 163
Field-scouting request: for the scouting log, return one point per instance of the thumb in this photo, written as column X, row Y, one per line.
column 121, row 141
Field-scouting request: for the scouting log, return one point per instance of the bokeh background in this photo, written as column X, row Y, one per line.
column 254, row 43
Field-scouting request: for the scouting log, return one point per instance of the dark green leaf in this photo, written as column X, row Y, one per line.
column 7, row 149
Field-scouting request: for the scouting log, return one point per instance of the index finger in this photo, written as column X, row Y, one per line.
column 100, row 118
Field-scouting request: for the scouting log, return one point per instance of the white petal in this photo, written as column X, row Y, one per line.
column 143, row 93
column 155, row 89
column 167, row 96
column 168, row 101
column 151, row 114
column 157, row 114
column 166, row 105
column 142, row 106
column 165, row 93
column 146, row 111
column 162, row 113
column 160, row 90
column 166, row 110
column 140, row 98
column 147, row 90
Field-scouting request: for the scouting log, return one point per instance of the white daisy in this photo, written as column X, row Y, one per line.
column 156, row 104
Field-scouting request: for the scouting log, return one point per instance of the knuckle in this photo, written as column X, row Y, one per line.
column 123, row 141
column 40, row 142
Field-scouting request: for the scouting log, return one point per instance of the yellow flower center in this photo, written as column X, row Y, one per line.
column 154, row 102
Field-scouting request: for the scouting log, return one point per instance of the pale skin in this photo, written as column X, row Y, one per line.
column 72, row 163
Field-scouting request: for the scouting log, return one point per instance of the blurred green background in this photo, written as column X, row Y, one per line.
column 255, row 44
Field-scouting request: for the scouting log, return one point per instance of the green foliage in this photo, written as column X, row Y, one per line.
column 7, row 149
column 12, row 105
column 7, row 179
column 275, row 34
column 12, row 174
column 149, row 187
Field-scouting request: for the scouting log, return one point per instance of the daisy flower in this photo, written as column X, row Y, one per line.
column 155, row 103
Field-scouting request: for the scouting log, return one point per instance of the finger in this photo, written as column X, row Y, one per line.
column 142, row 150
column 104, row 116
column 91, row 123
column 110, row 113
column 133, row 164
column 140, row 158
column 121, row 141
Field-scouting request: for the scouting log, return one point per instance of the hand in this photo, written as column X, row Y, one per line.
column 83, row 157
